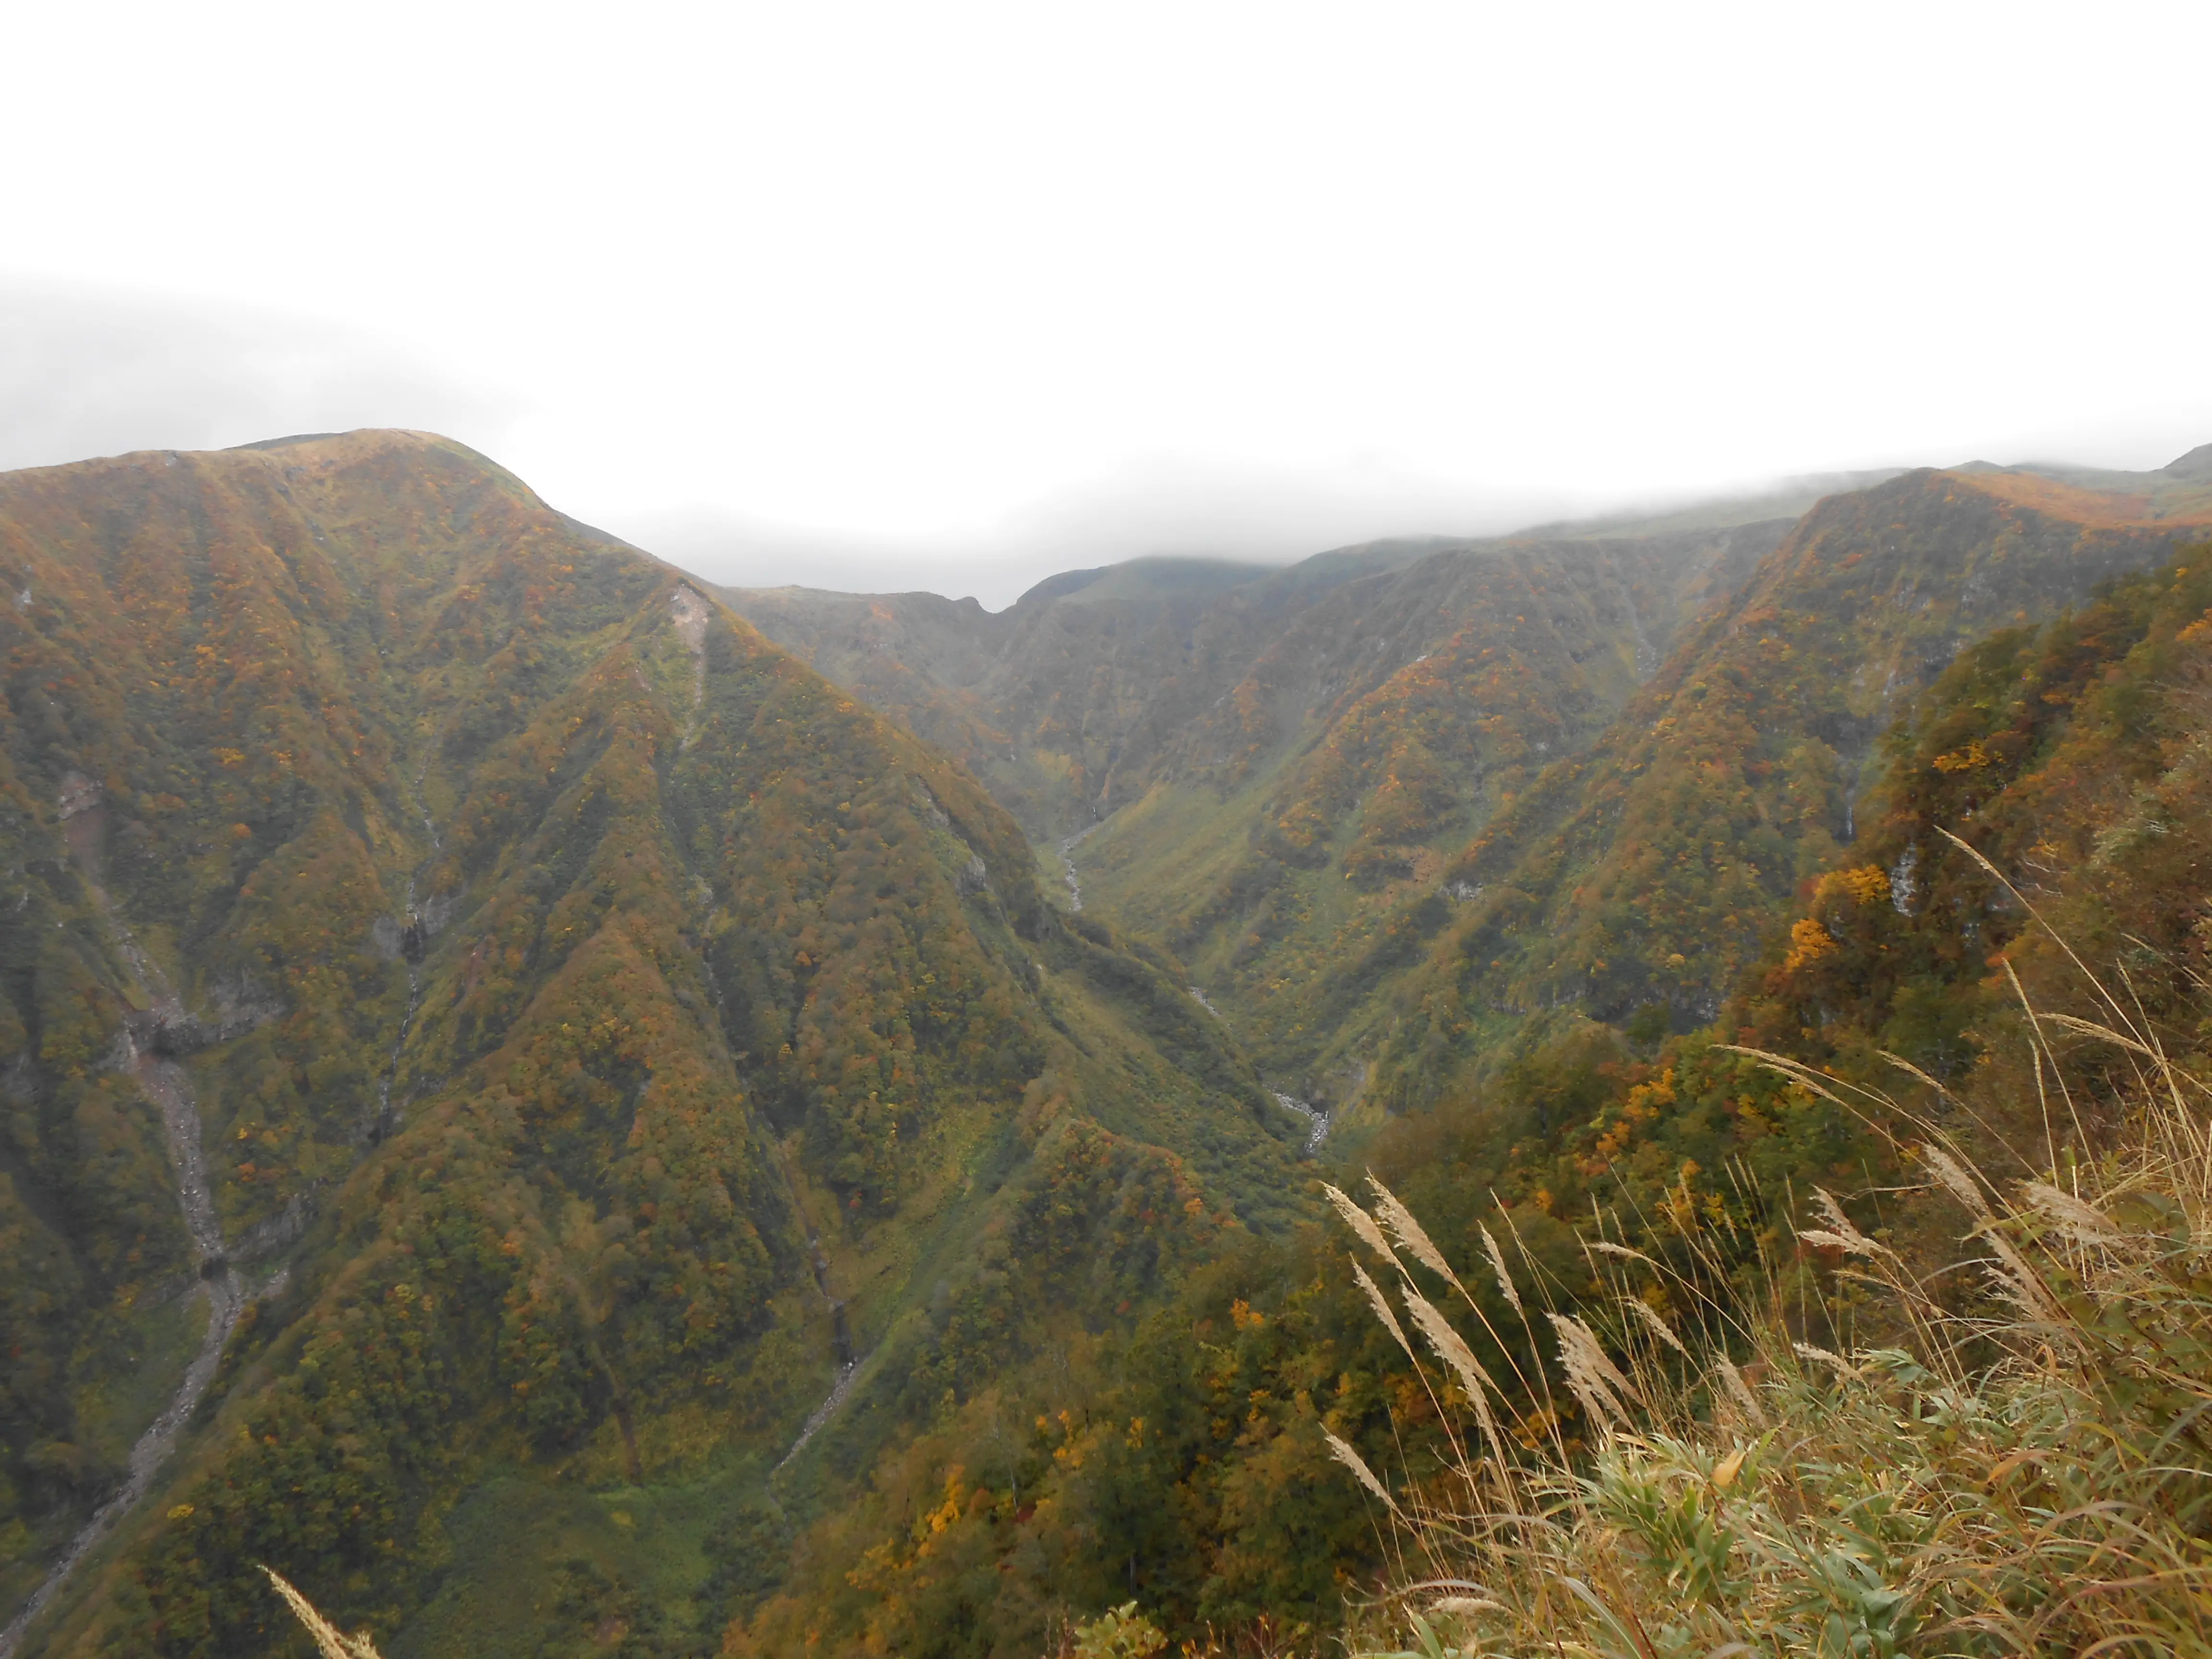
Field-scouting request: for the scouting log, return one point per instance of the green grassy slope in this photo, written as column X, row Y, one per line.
column 599, row 1027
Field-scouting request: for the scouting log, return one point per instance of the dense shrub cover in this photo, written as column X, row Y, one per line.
column 601, row 1030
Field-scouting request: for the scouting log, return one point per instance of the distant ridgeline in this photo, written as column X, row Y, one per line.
column 534, row 1113
column 556, row 1036
column 1391, row 803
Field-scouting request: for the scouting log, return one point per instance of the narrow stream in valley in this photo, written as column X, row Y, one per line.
column 1312, row 1114
column 1318, row 1119
column 841, row 1330
column 1067, row 845
column 167, row 1087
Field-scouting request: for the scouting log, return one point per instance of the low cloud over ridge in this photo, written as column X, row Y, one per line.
column 87, row 371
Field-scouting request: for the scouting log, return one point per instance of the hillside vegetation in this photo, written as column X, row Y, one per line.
column 1258, row 766
column 1189, row 1473
column 1650, row 875
column 561, row 1131
column 1392, row 805
column 1950, row 1400
column 562, row 1032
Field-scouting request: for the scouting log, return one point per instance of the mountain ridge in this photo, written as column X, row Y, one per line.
column 613, row 1035
column 643, row 1161
column 1152, row 862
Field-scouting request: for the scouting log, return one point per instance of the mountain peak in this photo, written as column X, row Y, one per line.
column 2196, row 463
column 367, row 441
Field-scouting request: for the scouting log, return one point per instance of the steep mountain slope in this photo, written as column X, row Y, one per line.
column 1067, row 703
column 1385, row 722
column 1187, row 1473
column 1059, row 702
column 483, row 1029
column 1256, row 773
column 1379, row 803
column 1648, row 872
column 1098, row 684
column 2074, row 756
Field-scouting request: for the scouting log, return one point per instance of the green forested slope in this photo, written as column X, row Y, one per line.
column 1060, row 703
column 1648, row 875
column 596, row 1028
column 600, row 1036
column 1389, row 804
column 1099, row 687
column 1263, row 765
column 1383, row 723
column 1187, row 1471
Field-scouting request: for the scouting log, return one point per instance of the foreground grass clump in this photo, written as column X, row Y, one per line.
column 1124, row 1632
column 2007, row 1449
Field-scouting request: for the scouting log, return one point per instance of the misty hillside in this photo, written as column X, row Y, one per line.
column 1994, row 655
column 1073, row 701
column 1448, row 776
column 570, row 1121
column 1651, row 875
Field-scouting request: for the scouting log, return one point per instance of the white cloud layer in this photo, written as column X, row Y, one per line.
column 952, row 287
column 87, row 371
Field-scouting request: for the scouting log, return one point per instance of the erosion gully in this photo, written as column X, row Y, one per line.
column 168, row 1089
column 142, row 1051
column 691, row 614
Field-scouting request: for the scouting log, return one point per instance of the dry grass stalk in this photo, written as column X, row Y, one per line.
column 1834, row 1362
column 2032, row 1473
column 1953, row 1175
column 1739, row 1391
column 330, row 1641
column 2083, row 1223
column 1592, row 1376
column 1361, row 1223
column 1505, row 1278
column 1844, row 1234
column 1408, row 1232
column 1452, row 1349
column 1606, row 1247
column 1648, row 1316
column 1352, row 1460
column 1381, row 1306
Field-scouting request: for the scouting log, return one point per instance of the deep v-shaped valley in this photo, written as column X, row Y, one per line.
column 712, row 1120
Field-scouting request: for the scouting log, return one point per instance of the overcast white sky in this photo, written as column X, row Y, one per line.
column 952, row 296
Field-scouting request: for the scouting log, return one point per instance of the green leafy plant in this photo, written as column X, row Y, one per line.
column 1120, row 1633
